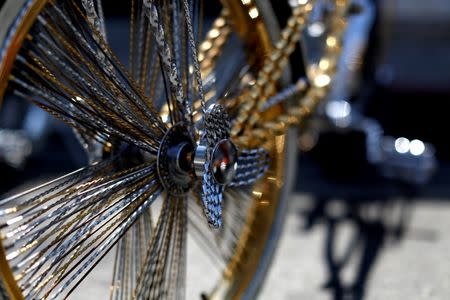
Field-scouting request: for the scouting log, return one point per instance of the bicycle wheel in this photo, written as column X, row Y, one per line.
column 177, row 140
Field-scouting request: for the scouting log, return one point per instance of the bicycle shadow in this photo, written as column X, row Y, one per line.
column 374, row 224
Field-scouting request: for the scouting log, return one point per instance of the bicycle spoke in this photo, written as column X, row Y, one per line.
column 274, row 65
column 162, row 274
column 57, row 233
column 130, row 255
column 220, row 244
column 176, row 99
column 68, row 70
column 203, row 235
column 94, row 12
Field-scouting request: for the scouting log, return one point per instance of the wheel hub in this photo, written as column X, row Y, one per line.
column 180, row 161
column 175, row 160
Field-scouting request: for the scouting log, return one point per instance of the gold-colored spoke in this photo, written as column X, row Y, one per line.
column 273, row 67
column 211, row 47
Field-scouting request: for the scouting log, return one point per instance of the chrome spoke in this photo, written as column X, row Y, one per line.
column 55, row 234
column 94, row 12
column 130, row 255
column 176, row 99
column 162, row 275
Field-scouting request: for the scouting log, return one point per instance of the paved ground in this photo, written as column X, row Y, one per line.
column 418, row 267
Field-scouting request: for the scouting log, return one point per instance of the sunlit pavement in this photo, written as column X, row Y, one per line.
column 416, row 267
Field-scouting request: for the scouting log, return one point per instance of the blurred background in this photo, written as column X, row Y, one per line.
column 371, row 210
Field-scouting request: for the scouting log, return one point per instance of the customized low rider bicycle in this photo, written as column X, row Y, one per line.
column 196, row 135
